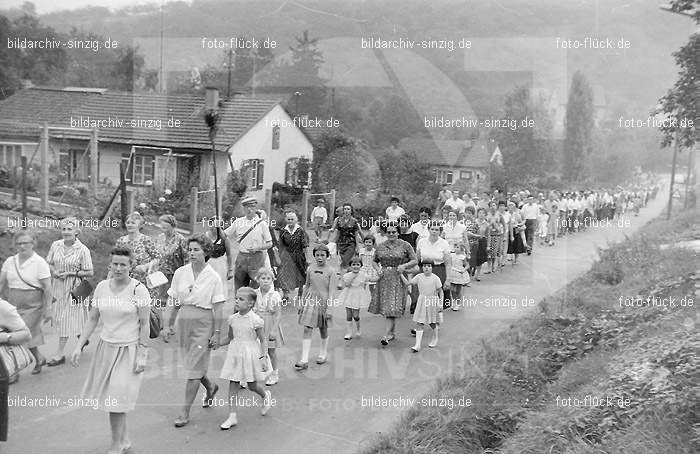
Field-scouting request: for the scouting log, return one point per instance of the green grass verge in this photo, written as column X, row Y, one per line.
column 581, row 343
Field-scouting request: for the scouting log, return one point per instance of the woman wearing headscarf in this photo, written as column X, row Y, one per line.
column 27, row 277
column 293, row 244
column 70, row 262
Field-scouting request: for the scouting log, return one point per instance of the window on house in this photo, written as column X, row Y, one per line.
column 252, row 170
column 443, row 176
column 141, row 169
column 276, row 137
column 10, row 155
column 465, row 175
column 74, row 164
column 296, row 172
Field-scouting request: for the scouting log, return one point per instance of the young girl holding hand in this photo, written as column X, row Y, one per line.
column 246, row 360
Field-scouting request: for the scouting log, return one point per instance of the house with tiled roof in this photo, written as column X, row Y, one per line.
column 163, row 139
column 453, row 160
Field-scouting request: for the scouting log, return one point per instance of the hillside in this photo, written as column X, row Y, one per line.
column 634, row 78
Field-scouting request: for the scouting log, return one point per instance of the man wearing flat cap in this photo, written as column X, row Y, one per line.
column 252, row 234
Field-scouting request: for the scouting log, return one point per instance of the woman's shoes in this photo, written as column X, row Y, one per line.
column 384, row 341
column 230, row 422
column 87, row 342
column 181, row 421
column 267, row 403
column 37, row 368
column 209, row 398
column 56, row 362
column 301, row 366
column 321, row 360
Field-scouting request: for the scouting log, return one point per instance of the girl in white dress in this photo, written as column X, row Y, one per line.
column 430, row 298
column 246, row 360
column 354, row 295
column 458, row 274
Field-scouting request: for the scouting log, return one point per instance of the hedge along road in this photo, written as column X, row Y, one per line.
column 324, row 409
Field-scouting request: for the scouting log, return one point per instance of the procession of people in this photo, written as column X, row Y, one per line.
column 422, row 266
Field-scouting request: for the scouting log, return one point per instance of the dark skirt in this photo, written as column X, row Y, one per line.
column 479, row 252
column 292, row 271
column 516, row 246
column 347, row 252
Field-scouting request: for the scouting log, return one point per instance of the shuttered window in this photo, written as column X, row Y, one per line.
column 253, row 170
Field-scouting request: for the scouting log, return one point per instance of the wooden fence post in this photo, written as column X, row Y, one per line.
column 194, row 199
column 332, row 213
column 122, row 193
column 268, row 204
column 305, row 208
column 23, row 160
column 94, row 170
column 44, row 162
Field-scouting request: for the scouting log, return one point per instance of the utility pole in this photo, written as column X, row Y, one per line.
column 673, row 177
column 228, row 85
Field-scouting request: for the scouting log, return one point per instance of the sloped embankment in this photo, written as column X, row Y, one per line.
column 608, row 365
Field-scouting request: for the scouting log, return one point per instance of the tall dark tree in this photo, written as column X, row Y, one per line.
column 682, row 102
column 528, row 151
column 578, row 140
column 128, row 68
column 301, row 74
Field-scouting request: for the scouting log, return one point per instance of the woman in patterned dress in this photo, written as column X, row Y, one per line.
column 472, row 234
column 389, row 295
column 173, row 254
column 495, row 236
column 293, row 242
column 348, row 237
column 483, row 244
column 145, row 251
column 516, row 245
column 70, row 262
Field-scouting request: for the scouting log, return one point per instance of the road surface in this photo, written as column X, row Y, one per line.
column 320, row 410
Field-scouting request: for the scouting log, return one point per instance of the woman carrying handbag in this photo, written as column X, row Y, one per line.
column 70, row 263
column 13, row 331
column 114, row 378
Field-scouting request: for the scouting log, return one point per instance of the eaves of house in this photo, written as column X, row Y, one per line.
column 131, row 118
column 449, row 153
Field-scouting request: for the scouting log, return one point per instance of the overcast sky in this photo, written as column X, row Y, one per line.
column 45, row 6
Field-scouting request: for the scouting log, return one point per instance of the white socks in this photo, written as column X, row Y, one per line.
column 305, row 349
column 324, row 348
column 434, row 342
column 348, row 330
column 419, row 337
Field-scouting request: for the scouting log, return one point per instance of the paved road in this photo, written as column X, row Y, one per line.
column 320, row 410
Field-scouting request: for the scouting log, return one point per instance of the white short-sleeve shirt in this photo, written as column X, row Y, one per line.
column 203, row 292
column 33, row 270
column 256, row 239
column 394, row 213
column 433, row 251
column 119, row 311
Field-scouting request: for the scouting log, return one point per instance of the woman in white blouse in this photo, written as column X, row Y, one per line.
column 453, row 230
column 27, row 278
column 436, row 250
column 196, row 297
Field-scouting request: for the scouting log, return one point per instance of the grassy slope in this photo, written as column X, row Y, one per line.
column 581, row 343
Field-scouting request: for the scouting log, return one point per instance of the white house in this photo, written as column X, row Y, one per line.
column 269, row 151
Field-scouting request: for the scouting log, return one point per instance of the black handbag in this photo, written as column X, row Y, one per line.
column 155, row 321
column 81, row 292
column 219, row 247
